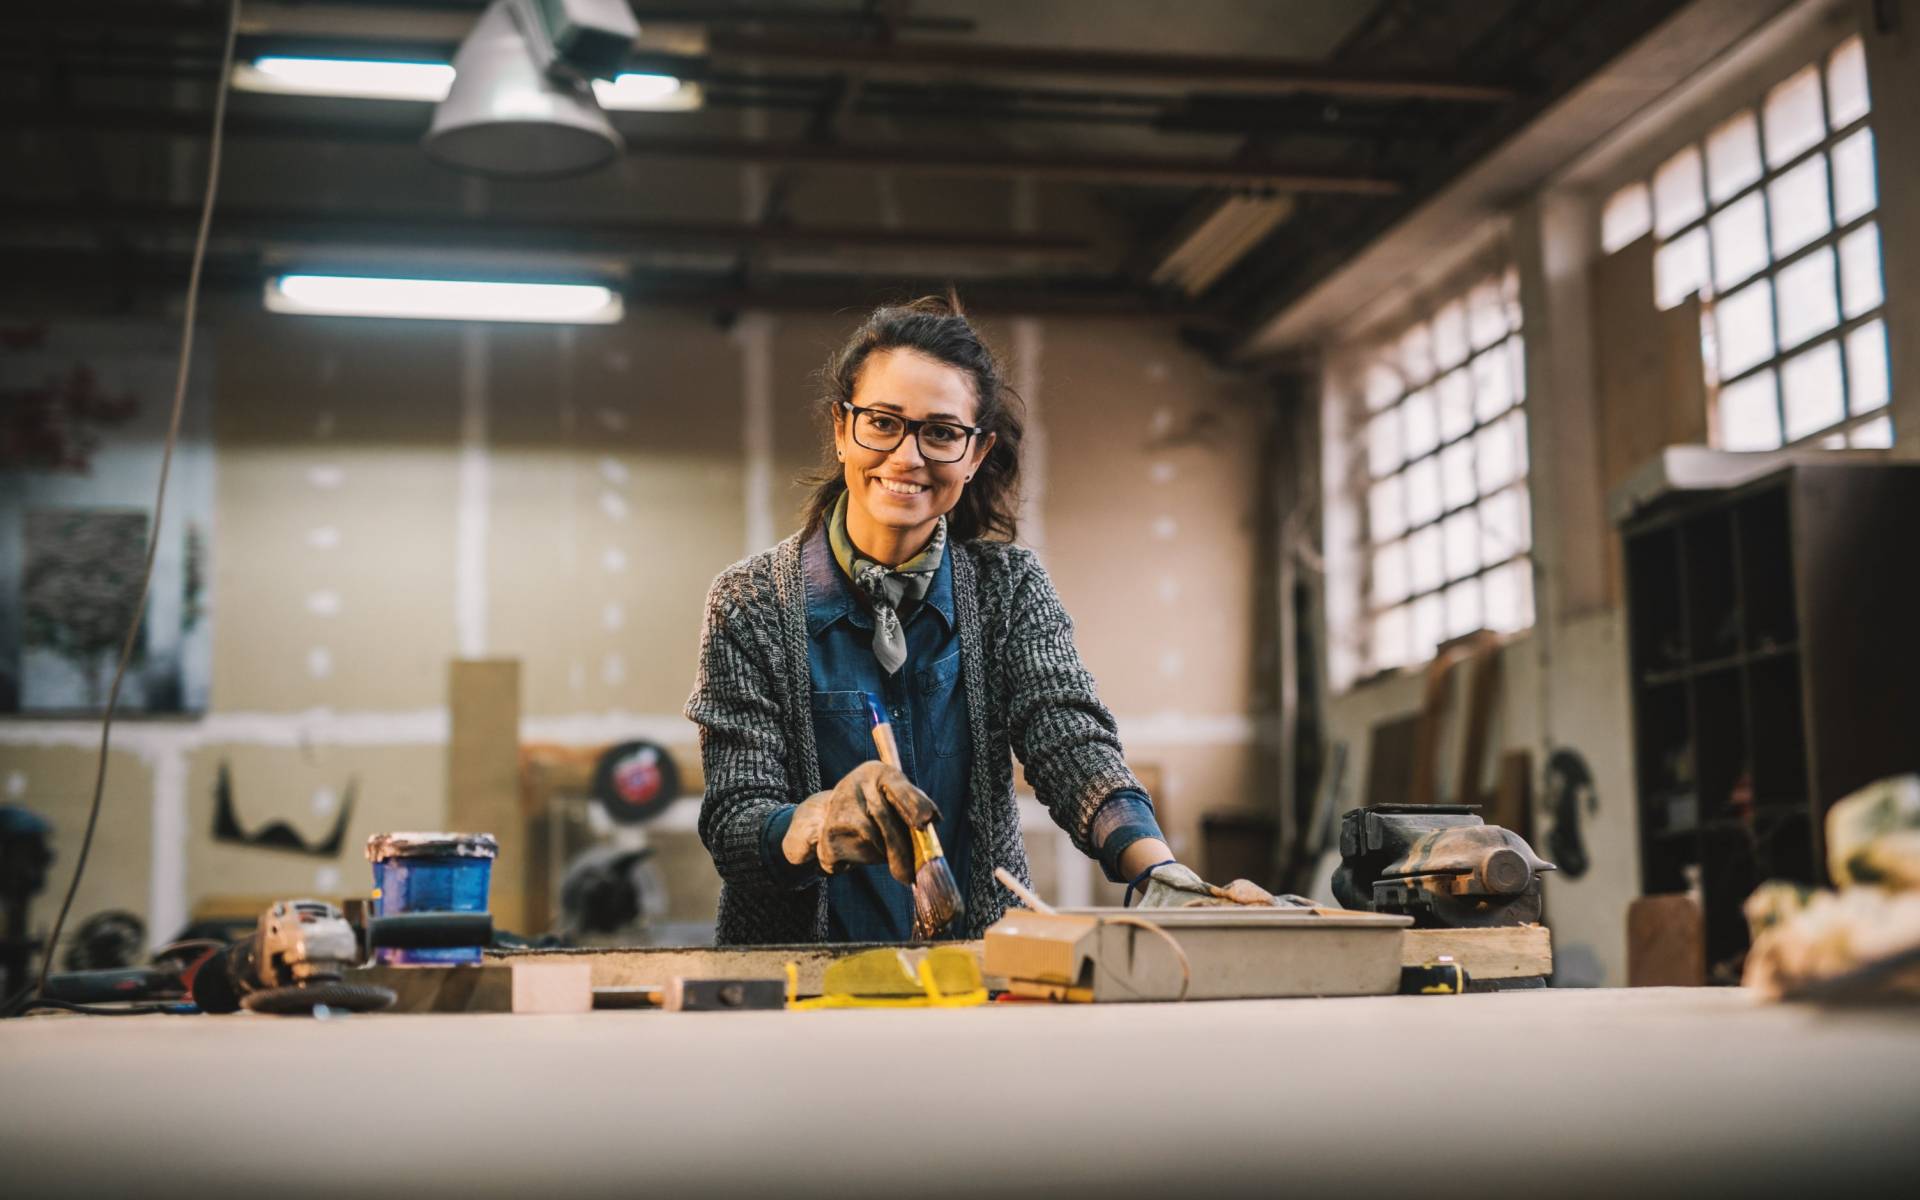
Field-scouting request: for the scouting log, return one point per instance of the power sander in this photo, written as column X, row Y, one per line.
column 1439, row 864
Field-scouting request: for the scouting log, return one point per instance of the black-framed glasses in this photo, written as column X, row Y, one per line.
column 940, row 441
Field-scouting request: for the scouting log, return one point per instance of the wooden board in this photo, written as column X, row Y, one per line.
column 483, row 774
column 1666, row 942
column 1651, row 380
column 1510, row 952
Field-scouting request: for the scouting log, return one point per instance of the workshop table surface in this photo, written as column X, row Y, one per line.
column 1550, row 1092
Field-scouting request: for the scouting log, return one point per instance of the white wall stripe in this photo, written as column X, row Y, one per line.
column 167, row 870
column 470, row 517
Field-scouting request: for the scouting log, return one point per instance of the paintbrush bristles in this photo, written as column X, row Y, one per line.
column 936, row 899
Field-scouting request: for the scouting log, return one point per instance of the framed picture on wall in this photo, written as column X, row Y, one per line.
column 83, row 419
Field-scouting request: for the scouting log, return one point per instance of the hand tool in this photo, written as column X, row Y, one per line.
column 936, row 897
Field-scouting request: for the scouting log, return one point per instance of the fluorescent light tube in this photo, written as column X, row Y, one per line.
column 643, row 91
column 370, row 78
column 444, row 299
column 378, row 79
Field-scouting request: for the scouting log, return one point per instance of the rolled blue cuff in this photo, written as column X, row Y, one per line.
column 1123, row 818
column 784, row 873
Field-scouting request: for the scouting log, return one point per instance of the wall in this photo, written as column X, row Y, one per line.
column 393, row 495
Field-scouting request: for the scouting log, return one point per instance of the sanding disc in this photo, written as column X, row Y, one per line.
column 635, row 782
column 300, row 1001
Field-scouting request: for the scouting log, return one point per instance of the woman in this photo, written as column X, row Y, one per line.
column 904, row 584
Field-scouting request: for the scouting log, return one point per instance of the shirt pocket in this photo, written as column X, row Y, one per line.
column 842, row 733
column 943, row 697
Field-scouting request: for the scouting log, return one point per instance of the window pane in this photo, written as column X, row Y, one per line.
column 1510, row 297
column 1678, row 197
column 1504, row 527
column 1429, row 626
column 1797, row 203
column 1461, row 535
column 1733, row 157
column 1422, row 429
column 1456, row 474
column 1450, row 336
column 1867, row 368
column 1854, row 190
column 1810, row 385
column 1743, row 323
column 1486, row 318
column 1383, row 386
column 1517, row 357
column 1876, row 434
column 1750, row 414
column 1497, row 462
column 1677, row 194
column 1680, row 269
column 1847, row 83
column 1509, row 596
column 1860, row 270
column 1793, row 117
column 1492, row 386
column 1456, row 405
column 1423, row 491
column 1416, row 354
column 1387, row 508
column 1809, row 302
column 1423, row 559
column 1463, row 608
column 1390, row 574
column 1739, row 241
column 1390, row 631
column 1385, row 449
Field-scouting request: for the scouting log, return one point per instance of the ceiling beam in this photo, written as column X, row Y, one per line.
column 548, row 234
column 1136, row 170
column 1213, row 72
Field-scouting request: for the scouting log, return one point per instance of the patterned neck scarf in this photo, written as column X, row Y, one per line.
column 886, row 588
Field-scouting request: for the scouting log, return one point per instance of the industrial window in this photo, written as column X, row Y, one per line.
column 1772, row 220
column 1438, row 417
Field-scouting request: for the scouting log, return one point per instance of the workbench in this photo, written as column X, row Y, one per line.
column 1551, row 1092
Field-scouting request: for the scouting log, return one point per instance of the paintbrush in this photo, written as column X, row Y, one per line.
column 936, row 897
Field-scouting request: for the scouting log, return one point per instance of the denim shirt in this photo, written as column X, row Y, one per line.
column 926, row 701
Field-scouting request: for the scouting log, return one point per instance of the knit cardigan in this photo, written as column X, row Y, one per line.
column 1026, row 693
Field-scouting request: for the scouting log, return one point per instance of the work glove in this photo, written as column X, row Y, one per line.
column 865, row 818
column 1172, row 885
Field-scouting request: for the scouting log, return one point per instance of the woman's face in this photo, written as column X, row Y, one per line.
column 900, row 489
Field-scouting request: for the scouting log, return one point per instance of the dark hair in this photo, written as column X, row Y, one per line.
column 936, row 327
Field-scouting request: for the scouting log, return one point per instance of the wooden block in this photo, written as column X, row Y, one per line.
column 656, row 966
column 1504, row 952
column 452, row 989
column 1666, row 942
column 483, row 775
column 558, row 987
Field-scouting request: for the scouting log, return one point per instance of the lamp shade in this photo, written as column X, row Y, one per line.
column 506, row 117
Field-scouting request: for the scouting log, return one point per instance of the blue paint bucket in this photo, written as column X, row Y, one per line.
column 431, row 872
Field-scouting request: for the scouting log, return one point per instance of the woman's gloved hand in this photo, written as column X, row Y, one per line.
column 866, row 818
column 1171, row 885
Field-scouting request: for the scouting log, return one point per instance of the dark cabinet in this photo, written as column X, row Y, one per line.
column 1774, row 646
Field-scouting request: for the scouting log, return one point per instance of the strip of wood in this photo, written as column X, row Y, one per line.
column 1509, row 952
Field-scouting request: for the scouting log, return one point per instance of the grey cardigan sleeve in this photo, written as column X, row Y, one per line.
column 1066, row 739
column 742, row 748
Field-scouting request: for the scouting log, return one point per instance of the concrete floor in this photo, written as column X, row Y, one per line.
column 1551, row 1093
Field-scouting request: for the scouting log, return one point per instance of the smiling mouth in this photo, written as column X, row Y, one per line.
column 900, row 487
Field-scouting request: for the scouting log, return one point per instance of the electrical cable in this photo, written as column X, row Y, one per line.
column 221, row 89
